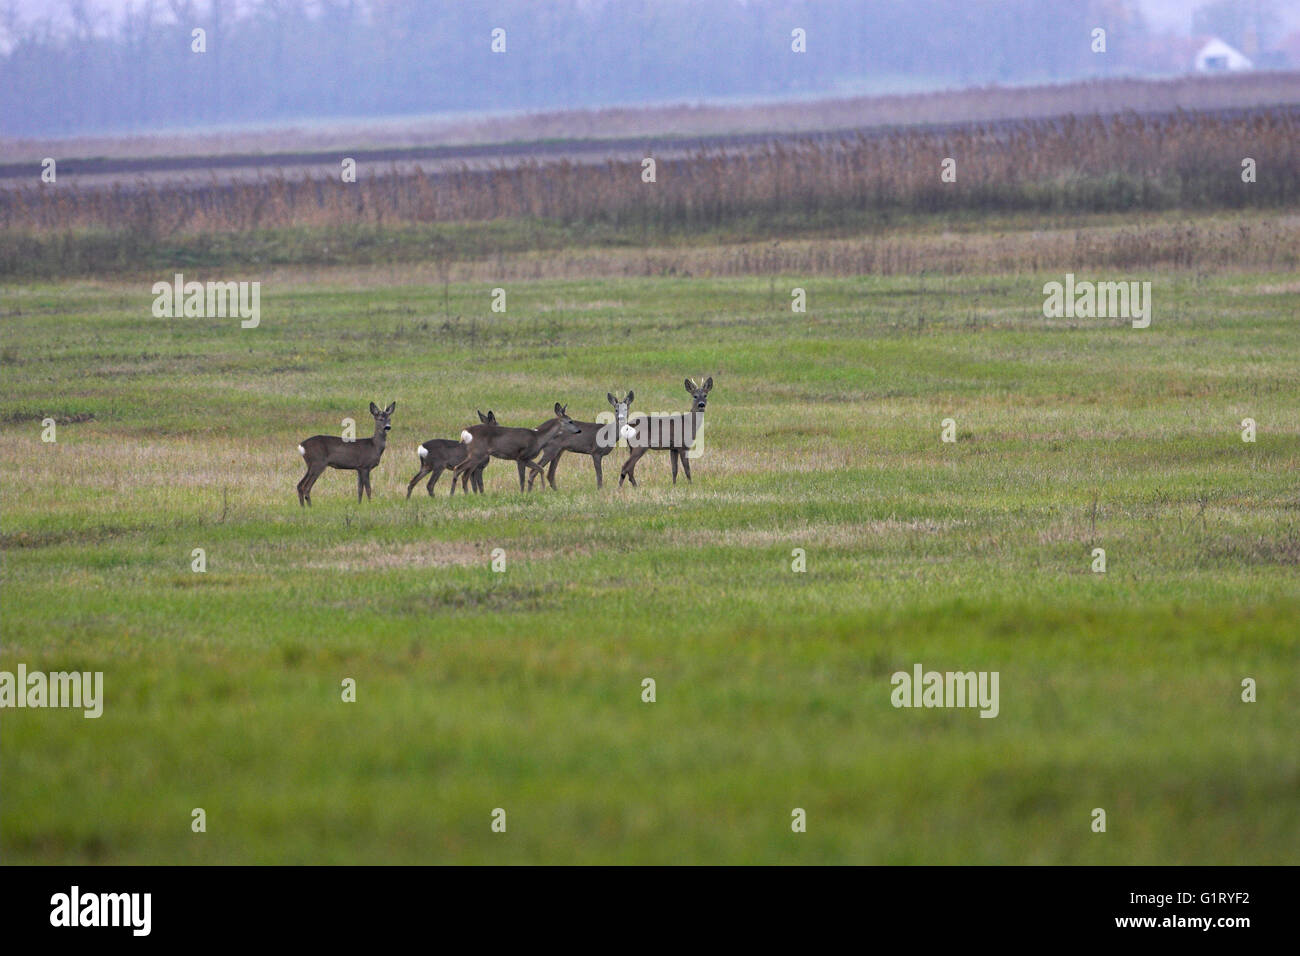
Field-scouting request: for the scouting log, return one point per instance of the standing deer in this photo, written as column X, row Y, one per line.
column 673, row 433
column 440, row 454
column 513, row 444
column 329, row 451
column 593, row 439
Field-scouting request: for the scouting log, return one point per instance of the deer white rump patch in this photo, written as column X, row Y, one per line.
column 466, row 437
column 302, row 451
column 628, row 432
column 424, row 452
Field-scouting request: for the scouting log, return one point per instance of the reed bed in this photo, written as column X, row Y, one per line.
column 1067, row 164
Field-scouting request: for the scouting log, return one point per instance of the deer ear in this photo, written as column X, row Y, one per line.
column 628, row 400
column 374, row 409
column 612, row 399
column 558, row 410
column 389, row 410
column 690, row 386
column 708, row 386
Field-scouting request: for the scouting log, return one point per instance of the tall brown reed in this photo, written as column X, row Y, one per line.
column 1125, row 162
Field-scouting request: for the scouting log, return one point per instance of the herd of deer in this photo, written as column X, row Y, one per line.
column 552, row 438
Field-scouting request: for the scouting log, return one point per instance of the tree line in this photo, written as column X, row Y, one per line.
column 276, row 60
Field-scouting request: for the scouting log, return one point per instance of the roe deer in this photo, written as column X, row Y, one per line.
column 593, row 439
column 673, row 433
column 439, row 454
column 513, row 444
column 329, row 451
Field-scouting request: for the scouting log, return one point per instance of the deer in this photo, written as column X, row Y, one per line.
column 329, row 451
column 672, row 433
column 439, row 454
column 512, row 444
column 592, row 439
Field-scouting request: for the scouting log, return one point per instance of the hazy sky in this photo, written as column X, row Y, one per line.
column 283, row 65
column 1173, row 15
column 1177, row 14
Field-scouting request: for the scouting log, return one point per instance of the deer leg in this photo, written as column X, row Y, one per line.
column 424, row 470
column 479, row 466
column 464, row 468
column 361, row 484
column 315, row 475
column 466, row 475
column 309, row 479
column 302, row 487
column 369, row 496
column 629, row 466
column 672, row 453
column 595, row 460
column 433, row 479
column 686, row 464
column 550, row 472
column 477, row 478
column 546, row 459
column 525, row 463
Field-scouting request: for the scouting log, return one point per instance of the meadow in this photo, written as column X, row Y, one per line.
column 522, row 690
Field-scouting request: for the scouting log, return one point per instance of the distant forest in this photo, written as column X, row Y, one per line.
column 276, row 60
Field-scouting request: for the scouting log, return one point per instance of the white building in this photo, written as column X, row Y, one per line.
column 1217, row 57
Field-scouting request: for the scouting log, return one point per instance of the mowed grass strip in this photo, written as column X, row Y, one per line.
column 522, row 690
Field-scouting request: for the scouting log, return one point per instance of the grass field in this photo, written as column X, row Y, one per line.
column 522, row 690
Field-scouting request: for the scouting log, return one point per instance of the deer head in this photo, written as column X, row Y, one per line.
column 567, row 424
column 620, row 410
column 383, row 421
column 700, row 393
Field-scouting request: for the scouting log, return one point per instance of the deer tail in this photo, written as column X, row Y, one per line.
column 423, row 452
column 466, row 437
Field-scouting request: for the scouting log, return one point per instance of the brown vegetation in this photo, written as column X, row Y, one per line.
column 776, row 190
column 1090, row 164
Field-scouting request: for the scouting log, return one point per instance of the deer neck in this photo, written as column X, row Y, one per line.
column 380, row 437
column 697, row 424
column 542, row 433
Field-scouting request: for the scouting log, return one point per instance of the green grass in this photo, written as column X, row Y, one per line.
column 125, row 251
column 521, row 690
